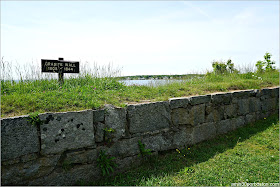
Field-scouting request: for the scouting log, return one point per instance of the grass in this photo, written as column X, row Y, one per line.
column 89, row 91
column 249, row 154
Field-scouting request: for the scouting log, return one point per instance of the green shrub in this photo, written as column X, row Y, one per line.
column 266, row 65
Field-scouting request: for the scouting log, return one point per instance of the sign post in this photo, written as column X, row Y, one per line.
column 59, row 66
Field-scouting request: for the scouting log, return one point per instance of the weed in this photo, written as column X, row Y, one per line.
column 66, row 165
column 108, row 134
column 34, row 119
column 106, row 163
column 143, row 152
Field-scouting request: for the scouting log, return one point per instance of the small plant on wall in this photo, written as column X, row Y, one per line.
column 108, row 134
column 143, row 152
column 34, row 119
column 106, row 163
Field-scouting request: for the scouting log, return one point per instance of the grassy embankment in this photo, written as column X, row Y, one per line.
column 249, row 154
column 89, row 91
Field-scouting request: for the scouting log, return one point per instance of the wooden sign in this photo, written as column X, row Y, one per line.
column 59, row 66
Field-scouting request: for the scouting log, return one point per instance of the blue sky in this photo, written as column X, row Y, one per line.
column 142, row 37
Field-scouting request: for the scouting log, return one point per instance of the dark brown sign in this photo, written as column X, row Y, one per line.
column 60, row 66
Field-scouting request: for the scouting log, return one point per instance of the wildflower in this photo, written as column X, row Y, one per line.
column 94, row 88
column 189, row 148
column 60, row 87
column 43, row 91
column 264, row 118
column 178, row 150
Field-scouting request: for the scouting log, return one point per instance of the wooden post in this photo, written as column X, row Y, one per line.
column 60, row 74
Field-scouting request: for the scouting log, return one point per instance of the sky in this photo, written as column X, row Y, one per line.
column 141, row 37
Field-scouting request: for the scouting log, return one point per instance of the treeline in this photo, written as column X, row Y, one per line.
column 146, row 77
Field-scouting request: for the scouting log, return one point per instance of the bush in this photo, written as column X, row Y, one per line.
column 223, row 67
column 266, row 65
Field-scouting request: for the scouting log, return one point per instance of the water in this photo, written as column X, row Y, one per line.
column 148, row 82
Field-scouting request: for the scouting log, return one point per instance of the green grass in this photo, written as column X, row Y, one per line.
column 249, row 154
column 91, row 92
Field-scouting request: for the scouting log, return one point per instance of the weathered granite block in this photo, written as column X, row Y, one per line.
column 58, row 177
column 230, row 111
column 148, row 117
column 250, row 118
column 182, row 138
column 203, row 132
column 180, row 102
column 125, row 148
column 214, row 114
column 126, row 163
column 115, row 118
column 221, row 98
column 64, row 131
column 81, row 157
column 197, row 114
column 201, row 99
column 238, row 121
column 99, row 132
column 17, row 174
column 225, row 126
column 254, row 104
column 266, row 92
column 269, row 104
column 98, row 115
column 18, row 137
column 243, row 94
column 157, row 143
column 180, row 116
column 243, row 106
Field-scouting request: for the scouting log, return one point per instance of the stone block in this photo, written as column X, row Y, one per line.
column 250, row 118
column 148, row 117
column 99, row 132
column 203, row 132
column 221, row 98
column 179, row 102
column 98, row 116
column 243, row 94
column 230, row 111
column 65, row 131
column 182, row 138
column 58, row 177
column 123, row 164
column 180, row 116
column 18, row 137
column 197, row 114
column 115, row 118
column 81, row 157
column 254, row 104
column 243, row 106
column 269, row 104
column 125, row 148
column 17, row 174
column 201, row 99
column 214, row 114
column 225, row 126
column 238, row 121
column 157, row 143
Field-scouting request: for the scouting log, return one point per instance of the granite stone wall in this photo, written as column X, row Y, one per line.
column 63, row 148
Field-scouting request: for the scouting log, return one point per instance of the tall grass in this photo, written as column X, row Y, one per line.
column 96, row 86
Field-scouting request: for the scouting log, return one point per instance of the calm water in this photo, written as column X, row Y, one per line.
column 149, row 82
